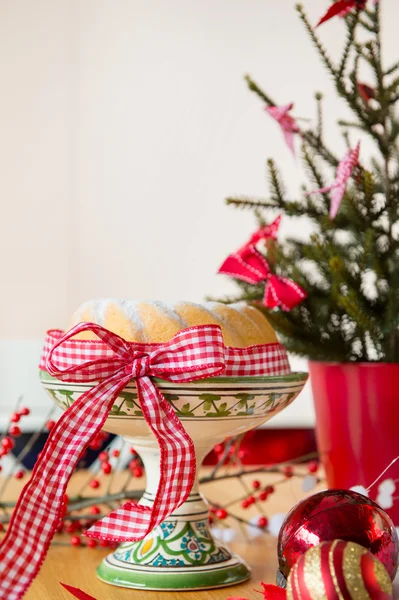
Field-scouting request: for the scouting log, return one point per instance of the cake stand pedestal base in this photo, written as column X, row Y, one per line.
column 179, row 554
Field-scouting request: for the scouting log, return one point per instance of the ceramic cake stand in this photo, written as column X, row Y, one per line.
column 181, row 553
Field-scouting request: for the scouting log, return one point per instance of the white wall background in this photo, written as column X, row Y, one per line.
column 123, row 125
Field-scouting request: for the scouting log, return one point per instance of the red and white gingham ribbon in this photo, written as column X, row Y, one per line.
column 111, row 363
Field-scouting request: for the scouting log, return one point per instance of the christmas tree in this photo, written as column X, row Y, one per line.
column 345, row 275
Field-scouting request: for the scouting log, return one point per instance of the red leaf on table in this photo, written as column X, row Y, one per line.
column 77, row 592
column 273, row 592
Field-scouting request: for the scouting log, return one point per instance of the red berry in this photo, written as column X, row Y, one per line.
column 7, row 443
column 15, row 431
column 103, row 543
column 95, row 446
column 212, row 509
column 106, row 468
column 269, row 489
column 116, row 453
column 263, row 496
column 244, row 504
column 210, row 519
column 2, row 451
column 313, row 466
column 24, row 411
column 95, row 510
column 94, row 483
column 66, row 498
column 103, row 456
column 138, row 472
column 60, row 527
column 251, row 500
column 15, row 417
column 50, row 424
column 132, row 450
column 76, row 541
column 221, row 513
column 91, row 543
column 288, row 471
column 1, row 527
column 263, row 522
column 70, row 527
column 255, row 484
column 19, row 474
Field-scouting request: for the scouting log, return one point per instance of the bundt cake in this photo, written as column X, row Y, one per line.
column 155, row 321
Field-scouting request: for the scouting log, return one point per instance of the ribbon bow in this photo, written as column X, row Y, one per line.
column 193, row 353
column 267, row 232
column 251, row 266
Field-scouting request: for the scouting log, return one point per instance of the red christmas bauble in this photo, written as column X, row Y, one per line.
column 338, row 569
column 338, row 514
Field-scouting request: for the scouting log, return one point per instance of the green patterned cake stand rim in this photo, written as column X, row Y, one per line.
column 294, row 376
column 196, row 579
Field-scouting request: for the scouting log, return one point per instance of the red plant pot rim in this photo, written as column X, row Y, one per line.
column 353, row 364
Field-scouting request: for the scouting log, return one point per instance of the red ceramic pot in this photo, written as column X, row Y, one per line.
column 357, row 423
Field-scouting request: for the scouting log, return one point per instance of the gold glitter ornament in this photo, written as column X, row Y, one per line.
column 338, row 570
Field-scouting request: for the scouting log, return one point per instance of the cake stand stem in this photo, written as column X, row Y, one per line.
column 181, row 552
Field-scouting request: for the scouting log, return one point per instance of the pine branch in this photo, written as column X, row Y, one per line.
column 316, row 144
column 392, row 69
column 352, row 22
column 310, row 163
column 350, row 97
column 393, row 99
column 322, row 52
column 276, row 185
column 350, row 124
column 367, row 26
column 319, row 112
column 375, row 63
column 256, row 89
column 252, row 203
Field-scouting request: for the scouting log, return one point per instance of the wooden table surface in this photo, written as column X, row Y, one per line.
column 76, row 566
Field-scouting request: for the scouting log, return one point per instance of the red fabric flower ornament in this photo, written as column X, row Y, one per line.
column 287, row 123
column 266, row 232
column 251, row 266
column 342, row 8
column 344, row 171
column 366, row 92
